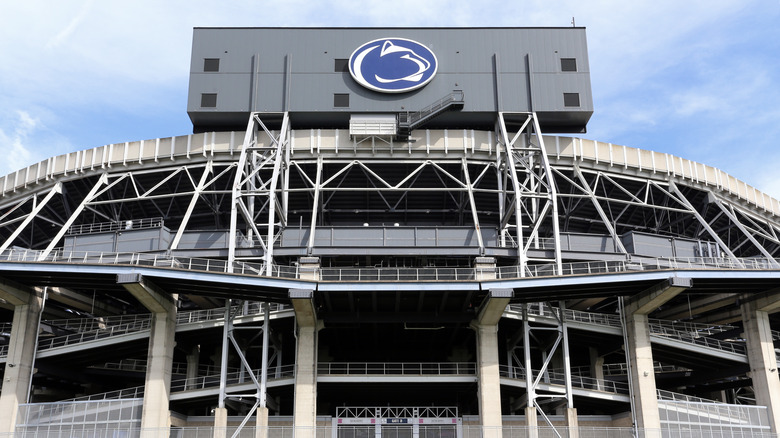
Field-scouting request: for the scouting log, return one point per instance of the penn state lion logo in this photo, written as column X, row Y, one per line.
column 392, row 65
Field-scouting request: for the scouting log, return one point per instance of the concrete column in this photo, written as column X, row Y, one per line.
column 488, row 377
column 640, row 353
column 305, row 387
column 572, row 423
column 193, row 363
column 309, row 268
column 486, row 268
column 305, row 411
column 763, row 360
column 642, row 373
column 596, row 367
column 489, row 386
column 21, row 354
column 220, row 423
column 157, row 385
column 156, row 415
column 531, row 422
column 261, row 424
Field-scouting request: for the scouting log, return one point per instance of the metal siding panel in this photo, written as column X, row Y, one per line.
column 465, row 59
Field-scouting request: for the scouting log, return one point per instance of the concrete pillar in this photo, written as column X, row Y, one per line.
column 596, row 367
column 220, row 423
column 21, row 354
column 305, row 387
column 261, row 424
column 531, row 421
column 485, row 268
column 763, row 360
column 157, row 386
column 489, row 384
column 156, row 415
column 305, row 413
column 309, row 268
column 640, row 353
column 193, row 363
column 572, row 423
column 642, row 373
column 488, row 377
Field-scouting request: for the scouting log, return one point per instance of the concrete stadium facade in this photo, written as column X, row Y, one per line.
column 406, row 265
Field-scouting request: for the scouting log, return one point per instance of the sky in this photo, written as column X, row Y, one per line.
column 694, row 78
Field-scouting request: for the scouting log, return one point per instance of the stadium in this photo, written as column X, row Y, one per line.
column 387, row 233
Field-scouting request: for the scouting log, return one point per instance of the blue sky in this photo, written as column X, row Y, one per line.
column 698, row 79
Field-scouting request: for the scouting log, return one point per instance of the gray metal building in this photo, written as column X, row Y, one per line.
column 304, row 71
column 372, row 232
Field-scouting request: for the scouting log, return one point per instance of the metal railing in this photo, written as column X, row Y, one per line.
column 233, row 378
column 397, row 368
column 685, row 332
column 557, row 377
column 383, row 274
column 104, row 227
column 140, row 324
column 347, row 431
column 96, row 329
column 411, row 119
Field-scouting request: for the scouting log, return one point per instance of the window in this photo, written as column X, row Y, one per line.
column 341, row 100
column 568, row 64
column 211, row 64
column 341, row 65
column 571, row 99
column 208, row 100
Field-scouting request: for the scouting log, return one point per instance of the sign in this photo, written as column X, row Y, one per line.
column 392, row 65
column 396, row 420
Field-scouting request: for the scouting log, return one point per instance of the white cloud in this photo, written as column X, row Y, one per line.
column 14, row 136
column 663, row 72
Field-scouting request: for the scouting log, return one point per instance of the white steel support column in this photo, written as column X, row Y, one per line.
column 21, row 352
column 571, row 412
column 260, row 396
column 193, row 201
column 473, row 204
column 558, row 348
column 604, row 219
column 761, row 354
column 721, row 244
column 74, row 215
column 315, row 206
column 37, row 207
column 254, row 192
column 534, row 194
column 305, row 387
column 744, row 231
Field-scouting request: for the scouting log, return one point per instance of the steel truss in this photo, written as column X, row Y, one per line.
column 228, row 340
column 263, row 162
column 550, row 348
column 529, row 204
column 267, row 185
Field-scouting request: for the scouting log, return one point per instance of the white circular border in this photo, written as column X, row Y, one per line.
column 360, row 80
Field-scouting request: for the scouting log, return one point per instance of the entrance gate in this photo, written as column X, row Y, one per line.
column 396, row 422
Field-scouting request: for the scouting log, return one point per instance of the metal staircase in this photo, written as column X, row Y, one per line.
column 410, row 121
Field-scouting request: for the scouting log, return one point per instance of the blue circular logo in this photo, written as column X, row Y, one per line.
column 392, row 65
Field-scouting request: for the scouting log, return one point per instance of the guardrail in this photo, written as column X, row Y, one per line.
column 685, row 332
column 556, row 377
column 104, row 227
column 397, row 368
column 101, row 328
column 385, row 274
